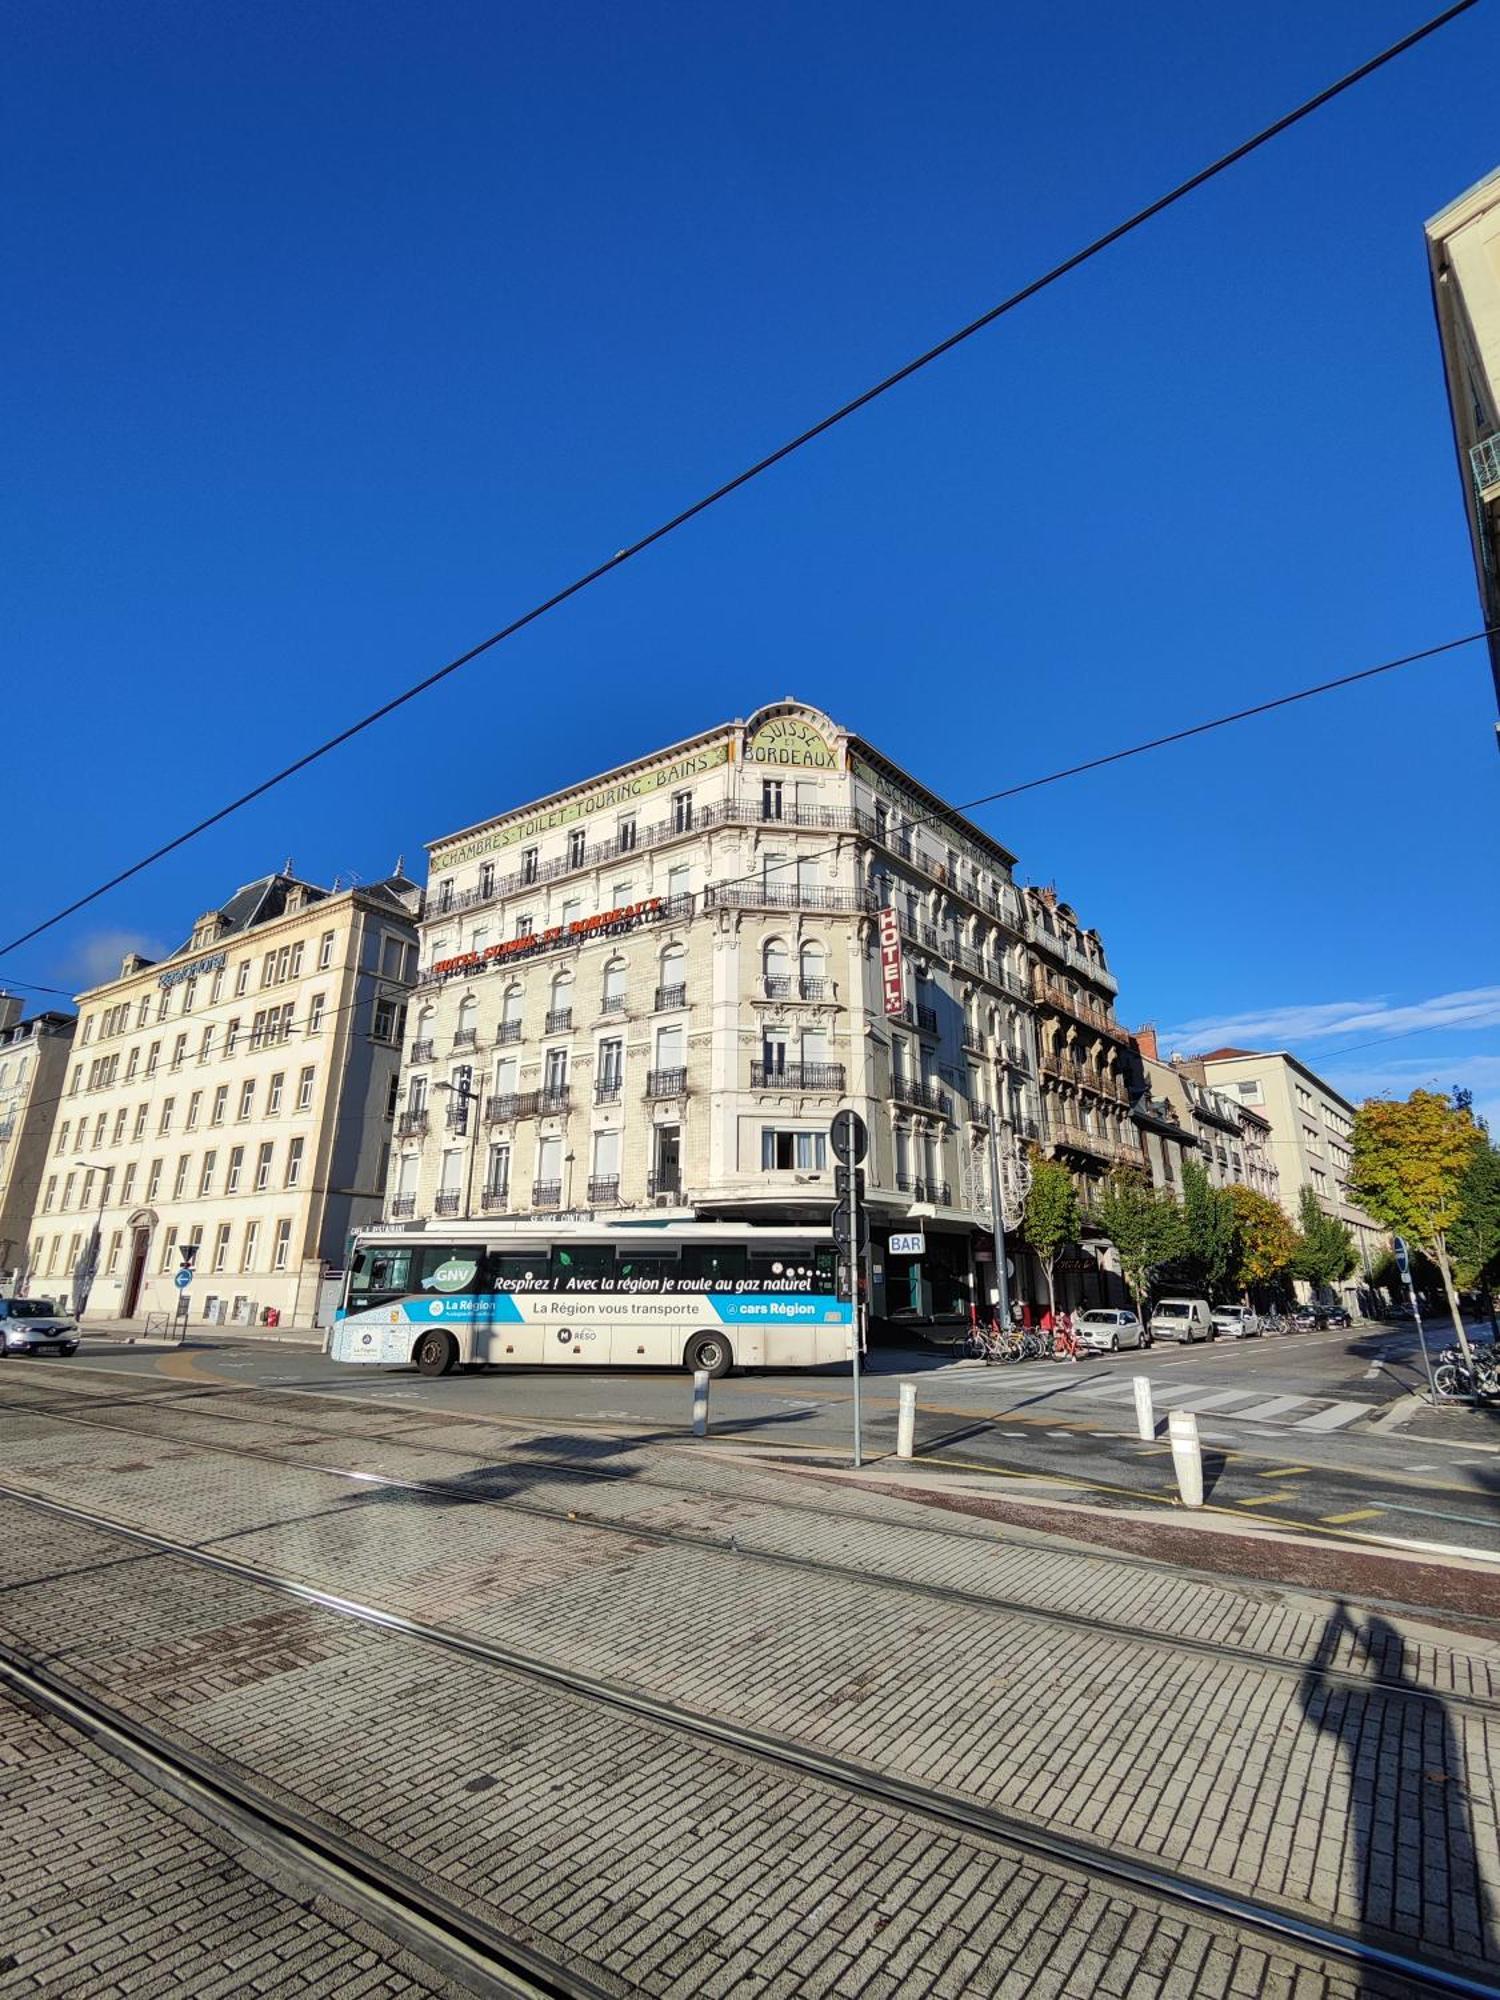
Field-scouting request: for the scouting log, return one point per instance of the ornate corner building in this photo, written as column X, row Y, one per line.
column 654, row 989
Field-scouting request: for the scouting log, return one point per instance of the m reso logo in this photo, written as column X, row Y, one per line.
column 565, row 1334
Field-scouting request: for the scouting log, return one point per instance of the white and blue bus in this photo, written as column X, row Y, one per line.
column 697, row 1295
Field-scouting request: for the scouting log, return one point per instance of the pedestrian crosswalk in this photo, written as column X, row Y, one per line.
column 1285, row 1411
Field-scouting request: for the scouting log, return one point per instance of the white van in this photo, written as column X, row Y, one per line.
column 1182, row 1319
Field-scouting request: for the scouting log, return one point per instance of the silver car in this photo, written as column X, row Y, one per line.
column 1235, row 1322
column 34, row 1326
column 1106, row 1329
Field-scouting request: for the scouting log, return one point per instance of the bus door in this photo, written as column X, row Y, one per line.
column 512, row 1334
column 582, row 1328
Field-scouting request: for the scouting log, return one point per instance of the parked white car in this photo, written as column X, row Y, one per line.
column 1236, row 1322
column 1106, row 1329
column 1182, row 1319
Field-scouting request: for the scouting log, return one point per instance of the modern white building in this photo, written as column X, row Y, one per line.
column 1463, row 250
column 653, row 990
column 33, row 1072
column 235, row 1100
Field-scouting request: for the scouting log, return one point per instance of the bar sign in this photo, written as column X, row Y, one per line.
column 892, row 984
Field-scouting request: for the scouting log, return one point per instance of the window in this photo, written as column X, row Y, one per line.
column 607, row 1156
column 523, row 924
column 776, row 967
column 195, row 1104
column 497, row 1174
column 221, row 1245
column 248, row 1247
column 770, row 798
column 206, row 1046
column 153, row 1057
column 77, row 1079
column 141, row 1114
column 576, row 842
column 99, row 1124
column 390, row 1021
column 132, row 1064
column 127, row 1183
column 572, row 905
column 530, row 857
column 806, row 1152
column 179, row 1050
column 679, row 884
column 247, row 1098
column 281, row 1244
column 451, row 1172
column 1250, row 1090
column 62, row 1135
column 315, row 1008
column 295, row 969
column 325, row 951
column 305, row 1088
column 217, row 987
column 168, row 1249
column 487, row 879
column 682, row 811
column 555, row 1075
column 236, row 1163
column 206, row 1178
column 179, row 1185
column 273, row 1093
column 220, row 1107
column 50, row 1194
column 143, row 1011
column 153, row 1180
column 119, row 1132
column 116, row 1244
column 168, row 1106
column 611, row 1065
column 625, row 833
column 263, row 1167
column 294, row 1162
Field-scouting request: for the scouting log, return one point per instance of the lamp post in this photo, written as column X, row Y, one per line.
column 84, row 1271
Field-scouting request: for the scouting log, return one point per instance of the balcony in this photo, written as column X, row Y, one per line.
column 604, row 1191
column 1484, row 458
column 491, row 1198
column 559, row 1021
column 670, row 996
column 422, row 1051
column 465, row 1038
column 456, row 1117
column 920, row 1188
column 665, row 1185
column 1083, row 1075
column 612, row 1003
column 546, row 1194
column 921, row 1095
column 1062, row 1132
column 447, row 1202
column 778, row 988
column 666, row 1083
column 607, row 1090
column 1048, row 993
column 401, row 1206
column 508, row 1031
column 797, row 1076
column 411, row 1124
column 553, row 1099
column 512, row 1104
column 786, row 896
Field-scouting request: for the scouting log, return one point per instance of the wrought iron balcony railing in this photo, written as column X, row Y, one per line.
column 422, row 1051
column 666, row 1082
column 559, row 1020
column 447, row 1202
column 797, row 1076
column 607, row 1090
column 508, row 1031
column 922, row 1096
column 604, row 1191
column 664, row 1183
column 492, row 1198
column 546, row 1194
column 411, row 1124
column 670, row 996
column 401, row 1206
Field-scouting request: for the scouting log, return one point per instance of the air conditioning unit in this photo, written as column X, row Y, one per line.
column 664, row 1201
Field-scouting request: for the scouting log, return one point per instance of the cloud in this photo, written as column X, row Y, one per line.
column 1285, row 1027
column 97, row 957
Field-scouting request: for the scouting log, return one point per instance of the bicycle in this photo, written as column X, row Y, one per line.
column 985, row 1343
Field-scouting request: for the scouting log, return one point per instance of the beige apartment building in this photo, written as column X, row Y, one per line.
column 1463, row 250
column 33, row 1072
column 1182, row 1114
column 654, row 989
column 1312, row 1137
column 234, row 1100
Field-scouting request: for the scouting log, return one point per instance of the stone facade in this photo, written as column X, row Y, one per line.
column 33, row 1072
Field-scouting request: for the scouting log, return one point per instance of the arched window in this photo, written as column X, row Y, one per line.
column 510, row 1014
column 672, row 988
column 613, row 1001
column 812, row 966
column 560, row 1008
column 468, row 1023
column 776, row 968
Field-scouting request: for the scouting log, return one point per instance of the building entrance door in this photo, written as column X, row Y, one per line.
column 135, row 1275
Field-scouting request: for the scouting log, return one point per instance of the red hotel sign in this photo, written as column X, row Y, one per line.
column 892, row 985
column 621, row 919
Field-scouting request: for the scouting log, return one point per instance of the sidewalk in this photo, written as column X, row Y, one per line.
column 199, row 1333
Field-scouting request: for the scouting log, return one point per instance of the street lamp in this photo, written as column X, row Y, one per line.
column 83, row 1276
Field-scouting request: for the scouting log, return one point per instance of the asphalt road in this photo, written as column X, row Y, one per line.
column 1296, row 1429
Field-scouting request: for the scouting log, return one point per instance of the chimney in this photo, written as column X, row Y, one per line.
column 10, row 1011
column 132, row 962
column 1145, row 1041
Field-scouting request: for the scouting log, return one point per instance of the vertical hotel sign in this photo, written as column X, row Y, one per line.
column 892, row 983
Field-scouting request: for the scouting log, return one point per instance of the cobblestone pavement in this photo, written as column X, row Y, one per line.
column 109, row 1888
column 592, row 1832
column 1364, row 1805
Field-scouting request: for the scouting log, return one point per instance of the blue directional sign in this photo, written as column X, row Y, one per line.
column 183, row 1279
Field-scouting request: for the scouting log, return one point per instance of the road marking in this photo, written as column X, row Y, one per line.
column 1359, row 1514
column 1276, row 1407
column 1287, row 1472
column 1260, row 1500
column 1332, row 1418
column 1436, row 1514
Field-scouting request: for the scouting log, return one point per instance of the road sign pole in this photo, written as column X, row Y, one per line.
column 1403, row 1265
column 856, row 1311
column 997, row 1226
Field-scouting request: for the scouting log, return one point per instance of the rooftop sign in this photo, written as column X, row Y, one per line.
column 637, row 785
column 177, row 973
column 792, row 742
column 608, row 923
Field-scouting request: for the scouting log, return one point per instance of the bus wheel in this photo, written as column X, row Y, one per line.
column 437, row 1353
column 711, row 1353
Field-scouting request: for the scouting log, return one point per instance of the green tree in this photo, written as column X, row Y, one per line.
column 1265, row 1243
column 1474, row 1239
column 1208, row 1219
column 1325, row 1249
column 1410, row 1163
column 1051, row 1217
column 1146, row 1227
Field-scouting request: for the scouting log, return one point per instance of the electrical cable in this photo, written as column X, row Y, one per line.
column 764, row 464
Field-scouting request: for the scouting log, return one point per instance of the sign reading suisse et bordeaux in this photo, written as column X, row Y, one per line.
column 892, row 993
column 607, row 922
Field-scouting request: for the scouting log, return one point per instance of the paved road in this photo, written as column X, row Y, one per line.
column 1292, row 1426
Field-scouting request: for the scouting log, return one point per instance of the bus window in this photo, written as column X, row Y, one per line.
column 449, row 1267
column 380, row 1272
column 582, row 1260
column 713, row 1261
column 519, row 1270
column 639, row 1264
column 790, row 1270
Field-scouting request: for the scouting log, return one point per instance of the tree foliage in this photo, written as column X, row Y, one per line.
column 1265, row 1244
column 1325, row 1248
column 1474, row 1238
column 1146, row 1227
column 1052, row 1219
column 1411, row 1158
column 1209, row 1228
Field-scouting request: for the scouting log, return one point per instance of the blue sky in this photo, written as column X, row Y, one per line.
column 340, row 334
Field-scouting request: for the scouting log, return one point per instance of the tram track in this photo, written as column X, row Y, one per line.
column 470, row 1493
column 1398, row 1971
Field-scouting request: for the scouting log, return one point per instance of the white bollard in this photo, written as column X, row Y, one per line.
column 906, row 1421
column 1145, row 1416
column 1187, row 1456
column 700, row 1403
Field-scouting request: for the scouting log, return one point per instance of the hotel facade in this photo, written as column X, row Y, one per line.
column 652, row 991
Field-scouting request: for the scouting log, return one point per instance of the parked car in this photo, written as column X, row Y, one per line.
column 1182, row 1319
column 1235, row 1322
column 34, row 1326
column 1106, row 1329
column 1334, row 1316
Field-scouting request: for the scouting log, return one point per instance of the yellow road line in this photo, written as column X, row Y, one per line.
column 1286, row 1472
column 1261, row 1500
column 1359, row 1514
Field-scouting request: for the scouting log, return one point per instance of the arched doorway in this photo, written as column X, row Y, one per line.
column 140, row 1225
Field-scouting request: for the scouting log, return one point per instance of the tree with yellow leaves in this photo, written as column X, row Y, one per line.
column 1410, row 1160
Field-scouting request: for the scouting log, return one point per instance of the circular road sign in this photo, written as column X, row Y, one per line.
column 184, row 1278
column 851, row 1140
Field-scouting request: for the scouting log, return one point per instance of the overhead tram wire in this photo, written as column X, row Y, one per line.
column 1072, row 770
column 1028, row 291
